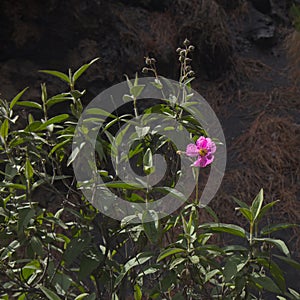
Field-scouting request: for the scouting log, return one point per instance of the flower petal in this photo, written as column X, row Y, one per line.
column 209, row 159
column 192, row 150
column 199, row 162
column 201, row 142
column 211, row 145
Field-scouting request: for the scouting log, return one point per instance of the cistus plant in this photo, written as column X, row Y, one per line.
column 55, row 245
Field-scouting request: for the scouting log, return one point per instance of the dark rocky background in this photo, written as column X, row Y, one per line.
column 246, row 59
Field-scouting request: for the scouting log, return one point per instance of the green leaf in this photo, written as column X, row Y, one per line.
column 123, row 185
column 4, row 129
column 257, row 204
column 140, row 259
column 99, row 111
column 58, row 99
column 30, row 104
column 269, row 229
column 137, row 292
column 82, row 69
column 28, row 169
column 129, row 83
column 176, row 262
column 127, row 98
column 233, row 265
column 211, row 274
column 226, row 228
column 294, row 293
column 240, row 203
column 266, row 283
column 82, row 296
column 56, row 119
column 275, row 271
column 152, row 229
column 7, row 251
column 88, row 264
column 289, row 261
column 74, row 249
column 44, row 93
column 13, row 185
column 148, row 162
column 77, row 94
column 265, row 209
column 58, row 146
column 33, row 127
column 276, row 242
column 25, row 215
column 142, row 131
column 168, row 252
column 246, row 212
column 30, row 268
column 58, row 74
column 86, row 296
column 62, row 283
column 37, row 245
column 49, row 294
column 136, row 90
column 16, row 98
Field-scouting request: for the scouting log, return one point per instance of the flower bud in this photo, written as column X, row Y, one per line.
column 182, row 53
column 145, row 70
column 178, row 50
column 153, row 60
column 191, row 73
column 186, row 42
column 148, row 61
column 191, row 48
column 181, row 59
column 188, row 60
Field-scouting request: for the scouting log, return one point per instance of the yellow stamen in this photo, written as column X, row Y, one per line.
column 202, row 152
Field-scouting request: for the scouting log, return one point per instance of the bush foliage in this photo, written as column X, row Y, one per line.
column 55, row 245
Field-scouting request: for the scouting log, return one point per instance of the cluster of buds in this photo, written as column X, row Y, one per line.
column 150, row 66
column 185, row 61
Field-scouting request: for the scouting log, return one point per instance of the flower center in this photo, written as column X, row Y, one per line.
column 202, row 152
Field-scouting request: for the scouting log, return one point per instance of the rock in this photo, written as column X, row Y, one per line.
column 261, row 30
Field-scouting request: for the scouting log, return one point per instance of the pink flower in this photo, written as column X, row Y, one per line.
column 204, row 150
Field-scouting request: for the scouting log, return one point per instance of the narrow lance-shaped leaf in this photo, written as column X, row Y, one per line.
column 168, row 252
column 257, row 204
column 16, row 98
column 28, row 169
column 265, row 209
column 148, row 162
column 54, row 120
column 57, row 74
column 276, row 242
column 82, row 69
column 226, row 228
column 4, row 129
column 30, row 104
column 49, row 294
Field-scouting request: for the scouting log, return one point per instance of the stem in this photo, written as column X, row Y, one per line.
column 135, row 108
column 197, row 184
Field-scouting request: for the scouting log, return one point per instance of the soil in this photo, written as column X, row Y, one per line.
column 246, row 63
